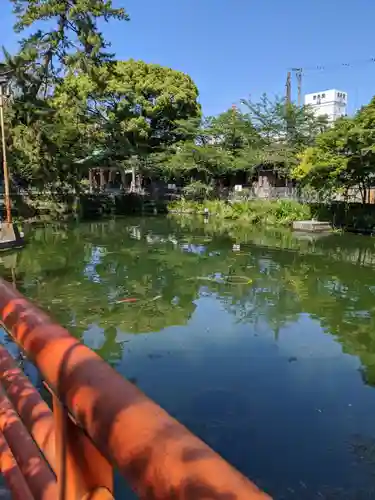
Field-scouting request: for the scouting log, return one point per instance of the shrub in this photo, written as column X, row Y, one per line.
column 197, row 191
column 273, row 213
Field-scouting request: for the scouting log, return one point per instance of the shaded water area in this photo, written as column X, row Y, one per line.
column 261, row 343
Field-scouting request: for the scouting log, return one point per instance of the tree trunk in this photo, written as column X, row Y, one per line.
column 102, row 179
column 91, row 182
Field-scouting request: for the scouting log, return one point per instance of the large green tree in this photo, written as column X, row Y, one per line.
column 216, row 147
column 343, row 159
column 284, row 130
column 73, row 98
column 268, row 132
column 66, row 37
column 137, row 105
column 46, row 136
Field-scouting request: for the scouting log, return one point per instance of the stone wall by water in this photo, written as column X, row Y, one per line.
column 355, row 217
column 83, row 206
column 348, row 216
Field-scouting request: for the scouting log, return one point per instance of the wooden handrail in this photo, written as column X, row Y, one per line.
column 157, row 455
column 12, row 473
column 32, row 409
column 38, row 476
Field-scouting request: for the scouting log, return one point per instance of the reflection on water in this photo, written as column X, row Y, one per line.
column 261, row 343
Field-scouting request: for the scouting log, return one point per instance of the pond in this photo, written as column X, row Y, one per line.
column 260, row 342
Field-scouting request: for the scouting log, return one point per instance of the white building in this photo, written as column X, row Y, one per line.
column 332, row 103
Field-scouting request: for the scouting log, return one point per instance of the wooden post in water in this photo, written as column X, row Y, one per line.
column 5, row 163
column 10, row 236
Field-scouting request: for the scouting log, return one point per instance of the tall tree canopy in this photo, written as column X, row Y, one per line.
column 215, row 147
column 343, row 157
column 267, row 132
column 71, row 38
column 72, row 98
column 137, row 104
column 285, row 130
column 46, row 138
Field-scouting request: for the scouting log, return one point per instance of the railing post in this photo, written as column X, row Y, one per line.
column 39, row 477
column 82, row 471
column 12, row 473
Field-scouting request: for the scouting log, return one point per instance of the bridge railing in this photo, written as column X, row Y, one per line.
column 99, row 421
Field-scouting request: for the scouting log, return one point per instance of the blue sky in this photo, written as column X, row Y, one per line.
column 236, row 48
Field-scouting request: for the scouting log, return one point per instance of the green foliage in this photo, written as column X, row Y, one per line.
column 217, row 147
column 197, row 191
column 73, row 39
column 343, row 157
column 284, row 131
column 71, row 98
column 273, row 213
column 241, row 140
column 233, row 131
column 44, row 146
column 137, row 105
column 46, row 136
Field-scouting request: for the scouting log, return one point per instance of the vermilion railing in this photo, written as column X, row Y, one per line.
column 99, row 422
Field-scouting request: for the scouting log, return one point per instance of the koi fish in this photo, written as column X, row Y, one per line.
column 126, row 300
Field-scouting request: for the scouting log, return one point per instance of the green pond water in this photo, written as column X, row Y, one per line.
column 261, row 343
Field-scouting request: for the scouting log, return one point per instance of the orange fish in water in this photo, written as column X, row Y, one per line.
column 122, row 301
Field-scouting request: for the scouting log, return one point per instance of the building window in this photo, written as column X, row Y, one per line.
column 323, row 96
column 343, row 96
column 314, row 97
